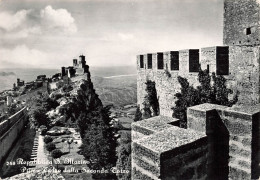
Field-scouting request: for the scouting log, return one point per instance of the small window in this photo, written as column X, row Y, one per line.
column 150, row 61
column 207, row 68
column 248, row 31
column 141, row 61
column 160, row 60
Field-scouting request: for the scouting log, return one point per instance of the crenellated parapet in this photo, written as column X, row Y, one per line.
column 238, row 64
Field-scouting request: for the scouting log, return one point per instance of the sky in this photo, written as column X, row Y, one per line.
column 50, row 33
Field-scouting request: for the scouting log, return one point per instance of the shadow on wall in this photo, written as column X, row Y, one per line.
column 256, row 146
column 218, row 147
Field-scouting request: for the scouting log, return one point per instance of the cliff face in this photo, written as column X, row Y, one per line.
column 76, row 96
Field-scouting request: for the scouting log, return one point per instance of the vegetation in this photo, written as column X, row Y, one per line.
column 205, row 93
column 50, row 147
column 48, row 139
column 151, row 103
column 99, row 144
column 124, row 156
column 92, row 120
column 138, row 114
column 56, row 153
column 43, row 104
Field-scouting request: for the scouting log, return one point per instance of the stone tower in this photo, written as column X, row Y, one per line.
column 241, row 22
column 82, row 61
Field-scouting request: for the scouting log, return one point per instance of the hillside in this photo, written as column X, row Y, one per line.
column 119, row 91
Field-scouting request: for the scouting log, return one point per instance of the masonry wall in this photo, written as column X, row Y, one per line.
column 233, row 134
column 244, row 73
column 10, row 130
column 166, row 86
column 241, row 22
column 220, row 143
column 161, row 150
column 238, row 64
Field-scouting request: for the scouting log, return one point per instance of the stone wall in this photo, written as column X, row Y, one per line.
column 10, row 130
column 161, row 150
column 165, row 79
column 238, row 64
column 233, row 135
column 244, row 73
column 241, row 22
column 218, row 139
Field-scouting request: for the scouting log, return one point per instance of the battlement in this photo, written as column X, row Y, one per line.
column 238, row 64
column 187, row 61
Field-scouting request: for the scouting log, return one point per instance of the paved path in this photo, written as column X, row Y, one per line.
column 41, row 156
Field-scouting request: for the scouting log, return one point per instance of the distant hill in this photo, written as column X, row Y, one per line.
column 119, row 91
column 7, row 73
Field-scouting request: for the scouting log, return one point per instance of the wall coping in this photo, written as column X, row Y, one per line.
column 170, row 139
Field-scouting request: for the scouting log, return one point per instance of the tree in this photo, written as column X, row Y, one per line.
column 48, row 139
column 152, row 97
column 99, row 144
column 205, row 93
column 138, row 114
column 40, row 117
column 56, row 153
column 50, row 147
column 124, row 156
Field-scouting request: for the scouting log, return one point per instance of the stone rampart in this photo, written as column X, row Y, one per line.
column 10, row 130
column 233, row 135
column 238, row 64
column 218, row 139
column 161, row 150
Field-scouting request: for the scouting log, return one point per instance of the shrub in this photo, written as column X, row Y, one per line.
column 50, row 147
column 138, row 114
column 205, row 93
column 124, row 156
column 48, row 139
column 56, row 153
column 44, row 131
column 151, row 97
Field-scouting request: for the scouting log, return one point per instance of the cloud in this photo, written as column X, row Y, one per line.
column 21, row 56
column 47, row 21
column 59, row 19
column 116, row 37
column 10, row 21
column 125, row 37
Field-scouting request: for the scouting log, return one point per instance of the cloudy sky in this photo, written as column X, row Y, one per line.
column 50, row 33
